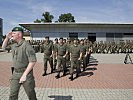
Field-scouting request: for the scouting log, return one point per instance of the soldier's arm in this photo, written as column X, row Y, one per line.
column 86, row 53
column 26, row 72
column 5, row 42
column 52, row 51
column 81, row 54
column 66, row 51
column 32, row 61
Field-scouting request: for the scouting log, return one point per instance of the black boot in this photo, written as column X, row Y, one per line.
column 77, row 75
column 44, row 74
column 64, row 74
column 83, row 68
column 71, row 77
column 57, row 76
column 51, row 71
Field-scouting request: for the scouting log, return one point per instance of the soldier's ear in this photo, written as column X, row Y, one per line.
column 20, row 34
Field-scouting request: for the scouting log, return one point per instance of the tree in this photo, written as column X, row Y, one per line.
column 66, row 18
column 37, row 21
column 46, row 18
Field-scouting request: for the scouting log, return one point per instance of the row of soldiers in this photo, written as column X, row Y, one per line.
column 63, row 55
column 97, row 47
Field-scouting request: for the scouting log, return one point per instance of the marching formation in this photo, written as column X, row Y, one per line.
column 63, row 54
column 69, row 54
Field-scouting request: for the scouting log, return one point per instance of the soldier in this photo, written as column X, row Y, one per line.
column 54, row 53
column 68, row 54
column 83, row 49
column 24, row 60
column 75, row 57
column 61, row 57
column 48, row 53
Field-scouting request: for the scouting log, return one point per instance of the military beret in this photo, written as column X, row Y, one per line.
column 56, row 39
column 47, row 37
column 17, row 29
column 61, row 38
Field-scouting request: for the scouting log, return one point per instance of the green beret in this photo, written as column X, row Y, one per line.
column 17, row 29
column 47, row 37
column 61, row 38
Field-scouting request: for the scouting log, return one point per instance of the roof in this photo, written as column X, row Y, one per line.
column 72, row 24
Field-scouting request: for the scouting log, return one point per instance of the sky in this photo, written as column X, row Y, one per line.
column 14, row 12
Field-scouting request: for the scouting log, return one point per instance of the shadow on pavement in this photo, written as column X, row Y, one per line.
column 58, row 97
column 86, row 74
column 91, row 68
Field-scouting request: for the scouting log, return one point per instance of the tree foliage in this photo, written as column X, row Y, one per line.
column 46, row 18
column 37, row 21
column 66, row 18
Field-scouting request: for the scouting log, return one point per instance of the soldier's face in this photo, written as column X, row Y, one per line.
column 61, row 40
column 75, row 41
column 15, row 35
column 81, row 42
column 47, row 39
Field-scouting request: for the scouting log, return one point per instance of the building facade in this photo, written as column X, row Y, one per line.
column 1, row 30
column 91, row 31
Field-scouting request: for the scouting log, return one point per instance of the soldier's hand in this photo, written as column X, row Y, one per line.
column 56, row 58
column 64, row 56
column 79, row 59
column 22, row 79
column 86, row 55
column 51, row 56
column 9, row 35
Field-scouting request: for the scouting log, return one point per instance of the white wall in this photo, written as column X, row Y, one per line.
column 101, row 36
column 63, row 31
column 126, row 37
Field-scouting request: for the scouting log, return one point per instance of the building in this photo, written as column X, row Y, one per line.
column 92, row 31
column 1, row 30
column 26, row 35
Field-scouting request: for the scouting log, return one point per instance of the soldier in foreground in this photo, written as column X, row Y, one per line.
column 48, row 53
column 24, row 60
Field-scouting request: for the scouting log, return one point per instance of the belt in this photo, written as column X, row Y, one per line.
column 19, row 70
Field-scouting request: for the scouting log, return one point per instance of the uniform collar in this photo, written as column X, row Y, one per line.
column 20, row 43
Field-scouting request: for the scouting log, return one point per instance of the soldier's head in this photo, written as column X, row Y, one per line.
column 61, row 40
column 64, row 40
column 68, row 41
column 56, row 40
column 47, row 38
column 75, row 41
column 81, row 41
column 17, row 33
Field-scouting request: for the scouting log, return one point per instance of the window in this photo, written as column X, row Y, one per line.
column 73, row 35
column 114, row 36
column 128, row 33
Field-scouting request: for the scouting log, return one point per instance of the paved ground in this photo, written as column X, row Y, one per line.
column 106, row 78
